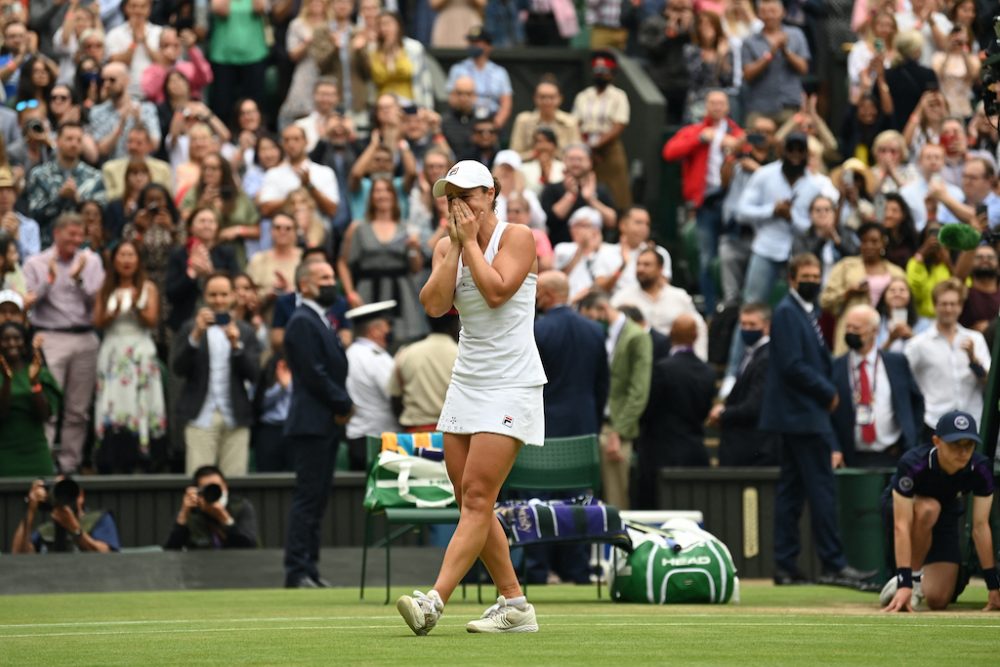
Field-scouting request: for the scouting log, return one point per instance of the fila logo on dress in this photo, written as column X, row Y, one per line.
column 508, row 421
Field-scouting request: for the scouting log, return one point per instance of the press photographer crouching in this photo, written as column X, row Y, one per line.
column 210, row 519
column 69, row 527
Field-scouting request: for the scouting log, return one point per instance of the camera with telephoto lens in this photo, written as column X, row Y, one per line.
column 211, row 493
column 61, row 494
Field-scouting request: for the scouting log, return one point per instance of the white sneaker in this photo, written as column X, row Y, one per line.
column 503, row 617
column 421, row 612
column 890, row 588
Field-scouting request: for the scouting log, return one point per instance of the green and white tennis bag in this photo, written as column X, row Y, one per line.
column 398, row 480
column 677, row 563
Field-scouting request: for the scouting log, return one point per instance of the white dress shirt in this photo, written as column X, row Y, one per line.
column 282, row 181
column 765, row 188
column 887, row 429
column 943, row 374
column 661, row 312
column 601, row 263
column 369, row 369
column 218, row 397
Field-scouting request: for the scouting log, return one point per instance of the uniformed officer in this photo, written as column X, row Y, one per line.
column 923, row 509
column 369, row 369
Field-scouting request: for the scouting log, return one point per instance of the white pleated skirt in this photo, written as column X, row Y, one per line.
column 517, row 412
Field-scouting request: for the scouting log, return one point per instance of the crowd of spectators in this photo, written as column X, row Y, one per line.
column 153, row 217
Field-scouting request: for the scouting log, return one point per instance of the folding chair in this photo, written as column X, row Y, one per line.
column 563, row 464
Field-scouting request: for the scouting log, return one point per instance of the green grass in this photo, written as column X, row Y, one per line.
column 772, row 626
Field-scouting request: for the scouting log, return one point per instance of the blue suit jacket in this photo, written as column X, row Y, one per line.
column 576, row 365
column 319, row 371
column 798, row 389
column 907, row 402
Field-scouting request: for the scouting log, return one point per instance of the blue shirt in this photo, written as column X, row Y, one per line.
column 920, row 474
column 359, row 199
column 779, row 86
column 104, row 530
column 766, row 187
column 277, row 400
column 29, row 238
column 492, row 82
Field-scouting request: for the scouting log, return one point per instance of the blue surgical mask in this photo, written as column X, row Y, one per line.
column 751, row 336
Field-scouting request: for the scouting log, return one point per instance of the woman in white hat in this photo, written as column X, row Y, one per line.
column 487, row 270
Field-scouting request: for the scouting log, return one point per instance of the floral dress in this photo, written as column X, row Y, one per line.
column 129, row 384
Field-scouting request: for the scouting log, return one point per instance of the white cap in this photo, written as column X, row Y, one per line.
column 509, row 158
column 466, row 174
column 370, row 310
column 10, row 296
column 587, row 215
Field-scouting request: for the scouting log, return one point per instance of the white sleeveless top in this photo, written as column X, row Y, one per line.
column 496, row 347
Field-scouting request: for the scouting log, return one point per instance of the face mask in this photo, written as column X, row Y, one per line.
column 475, row 51
column 224, row 499
column 793, row 171
column 853, row 341
column 601, row 83
column 983, row 273
column 604, row 326
column 808, row 290
column 327, row 295
column 751, row 336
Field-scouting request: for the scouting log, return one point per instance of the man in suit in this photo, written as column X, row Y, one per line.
column 680, row 398
column 217, row 356
column 741, row 442
column 798, row 399
column 631, row 354
column 881, row 411
column 576, row 363
column 319, row 408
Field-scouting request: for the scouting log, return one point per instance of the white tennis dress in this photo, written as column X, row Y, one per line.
column 496, row 383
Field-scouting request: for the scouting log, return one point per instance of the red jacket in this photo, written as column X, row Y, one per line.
column 687, row 147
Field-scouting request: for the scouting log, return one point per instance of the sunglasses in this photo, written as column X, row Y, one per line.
column 26, row 104
column 59, row 98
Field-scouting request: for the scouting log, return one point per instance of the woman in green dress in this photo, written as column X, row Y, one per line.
column 29, row 395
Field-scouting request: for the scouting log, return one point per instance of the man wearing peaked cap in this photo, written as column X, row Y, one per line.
column 369, row 369
column 923, row 510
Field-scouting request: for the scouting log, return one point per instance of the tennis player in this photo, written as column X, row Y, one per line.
column 923, row 509
column 487, row 270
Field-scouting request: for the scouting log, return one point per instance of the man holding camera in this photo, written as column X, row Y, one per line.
column 69, row 528
column 210, row 519
column 217, row 356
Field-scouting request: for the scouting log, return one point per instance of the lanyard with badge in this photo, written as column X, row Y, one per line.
column 864, row 414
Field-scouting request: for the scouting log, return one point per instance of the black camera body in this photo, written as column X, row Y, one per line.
column 61, row 494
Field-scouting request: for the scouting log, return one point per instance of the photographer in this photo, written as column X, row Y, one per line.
column 210, row 519
column 70, row 528
column 34, row 144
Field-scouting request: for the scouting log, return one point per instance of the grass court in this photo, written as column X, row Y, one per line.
column 807, row 625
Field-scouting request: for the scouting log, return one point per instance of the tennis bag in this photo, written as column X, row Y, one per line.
column 409, row 472
column 677, row 563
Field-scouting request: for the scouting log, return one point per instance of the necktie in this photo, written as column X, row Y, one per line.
column 865, row 399
column 814, row 318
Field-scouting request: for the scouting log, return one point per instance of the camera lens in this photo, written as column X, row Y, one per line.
column 65, row 492
column 211, row 493
column 34, row 125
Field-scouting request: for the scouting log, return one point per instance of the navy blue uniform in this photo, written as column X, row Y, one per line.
column 920, row 474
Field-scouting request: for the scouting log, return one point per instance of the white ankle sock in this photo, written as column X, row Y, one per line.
column 436, row 598
column 520, row 602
